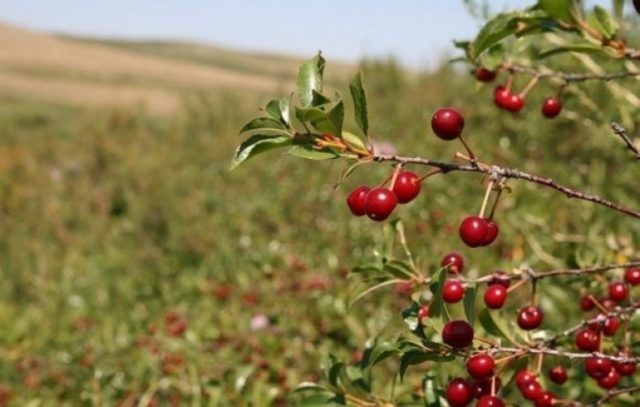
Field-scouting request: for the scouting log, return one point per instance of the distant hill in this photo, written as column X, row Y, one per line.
column 155, row 74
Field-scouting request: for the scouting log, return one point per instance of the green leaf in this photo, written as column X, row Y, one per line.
column 310, row 79
column 470, row 302
column 319, row 99
column 494, row 325
column 496, row 29
column 285, row 109
column 353, row 141
column 336, row 116
column 309, row 153
column 603, row 22
column 415, row 357
column 566, row 10
column 334, row 371
column 437, row 305
column 583, row 48
column 410, row 316
column 398, row 268
column 359, row 103
column 273, row 108
column 262, row 123
column 256, row 144
column 324, row 121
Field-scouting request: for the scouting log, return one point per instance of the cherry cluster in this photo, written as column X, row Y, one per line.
column 505, row 98
column 378, row 203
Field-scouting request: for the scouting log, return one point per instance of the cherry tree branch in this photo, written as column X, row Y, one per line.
column 503, row 172
column 568, row 77
column 545, row 350
column 613, row 393
column 622, row 132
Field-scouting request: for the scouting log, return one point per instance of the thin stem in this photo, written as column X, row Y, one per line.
column 530, row 85
column 485, row 199
column 429, row 174
column 495, row 203
column 466, row 146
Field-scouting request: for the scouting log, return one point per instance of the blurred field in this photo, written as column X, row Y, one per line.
column 137, row 268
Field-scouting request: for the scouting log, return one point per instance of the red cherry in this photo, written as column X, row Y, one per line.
column 611, row 325
column 473, row 231
column 586, row 302
column 515, row 103
column 453, row 262
column 608, row 303
column 490, row 401
column 447, row 123
column 551, row 107
column 492, row 232
column 598, row 368
column 530, row 317
column 501, row 95
column 618, row 291
column 482, row 387
column 458, row 393
column 481, row 366
column 357, row 200
column 452, row 291
column 632, row 275
column 545, row 400
column 457, row 334
column 532, row 390
column 485, row 75
column 524, row 377
column 610, row 381
column 404, row 289
column 500, row 277
column 407, row 186
column 596, row 326
column 558, row 374
column 495, row 296
column 423, row 313
column 587, row 340
column 624, row 368
column 380, row 203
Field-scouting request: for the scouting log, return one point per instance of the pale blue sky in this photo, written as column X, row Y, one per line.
column 418, row 32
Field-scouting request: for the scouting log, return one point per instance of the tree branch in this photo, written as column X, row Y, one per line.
column 502, row 172
column 572, row 77
column 613, row 393
column 622, row 132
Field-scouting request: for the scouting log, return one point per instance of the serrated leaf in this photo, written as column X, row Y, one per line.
column 437, row 305
column 310, row 79
column 353, row 141
column 257, row 144
column 309, row 153
column 273, row 108
column 469, row 302
column 336, row 116
column 324, row 121
column 566, row 10
column 494, row 325
column 583, row 48
column 261, row 123
column 496, row 29
column 359, row 97
column 318, row 99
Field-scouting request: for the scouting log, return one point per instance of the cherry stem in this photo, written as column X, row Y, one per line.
column 599, row 304
column 485, row 199
column 495, row 203
column 509, row 82
column 427, row 175
column 539, row 359
column 466, row 146
column 534, row 80
column 534, row 292
column 395, row 176
column 485, row 340
column 517, row 285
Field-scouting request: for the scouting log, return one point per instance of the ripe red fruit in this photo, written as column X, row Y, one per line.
column 500, row 277
column 492, row 232
column 457, row 334
column 490, row 401
column 545, row 400
column 618, row 291
column 482, row 387
column 485, row 75
column 404, row 289
column 453, row 262
column 514, row 103
column 624, row 368
column 481, row 366
column 530, row 317
column 558, row 374
column 608, row 303
column 632, row 275
column 407, row 186
column 611, row 325
column 586, row 302
column 501, row 95
column 532, row 390
column 357, row 200
column 423, row 313
column 447, row 123
column 458, row 392
column 524, row 377
column 452, row 291
column 473, row 231
column 495, row 296
column 380, row 203
column 598, row 368
column 587, row 340
column 610, row 381
column 551, row 107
